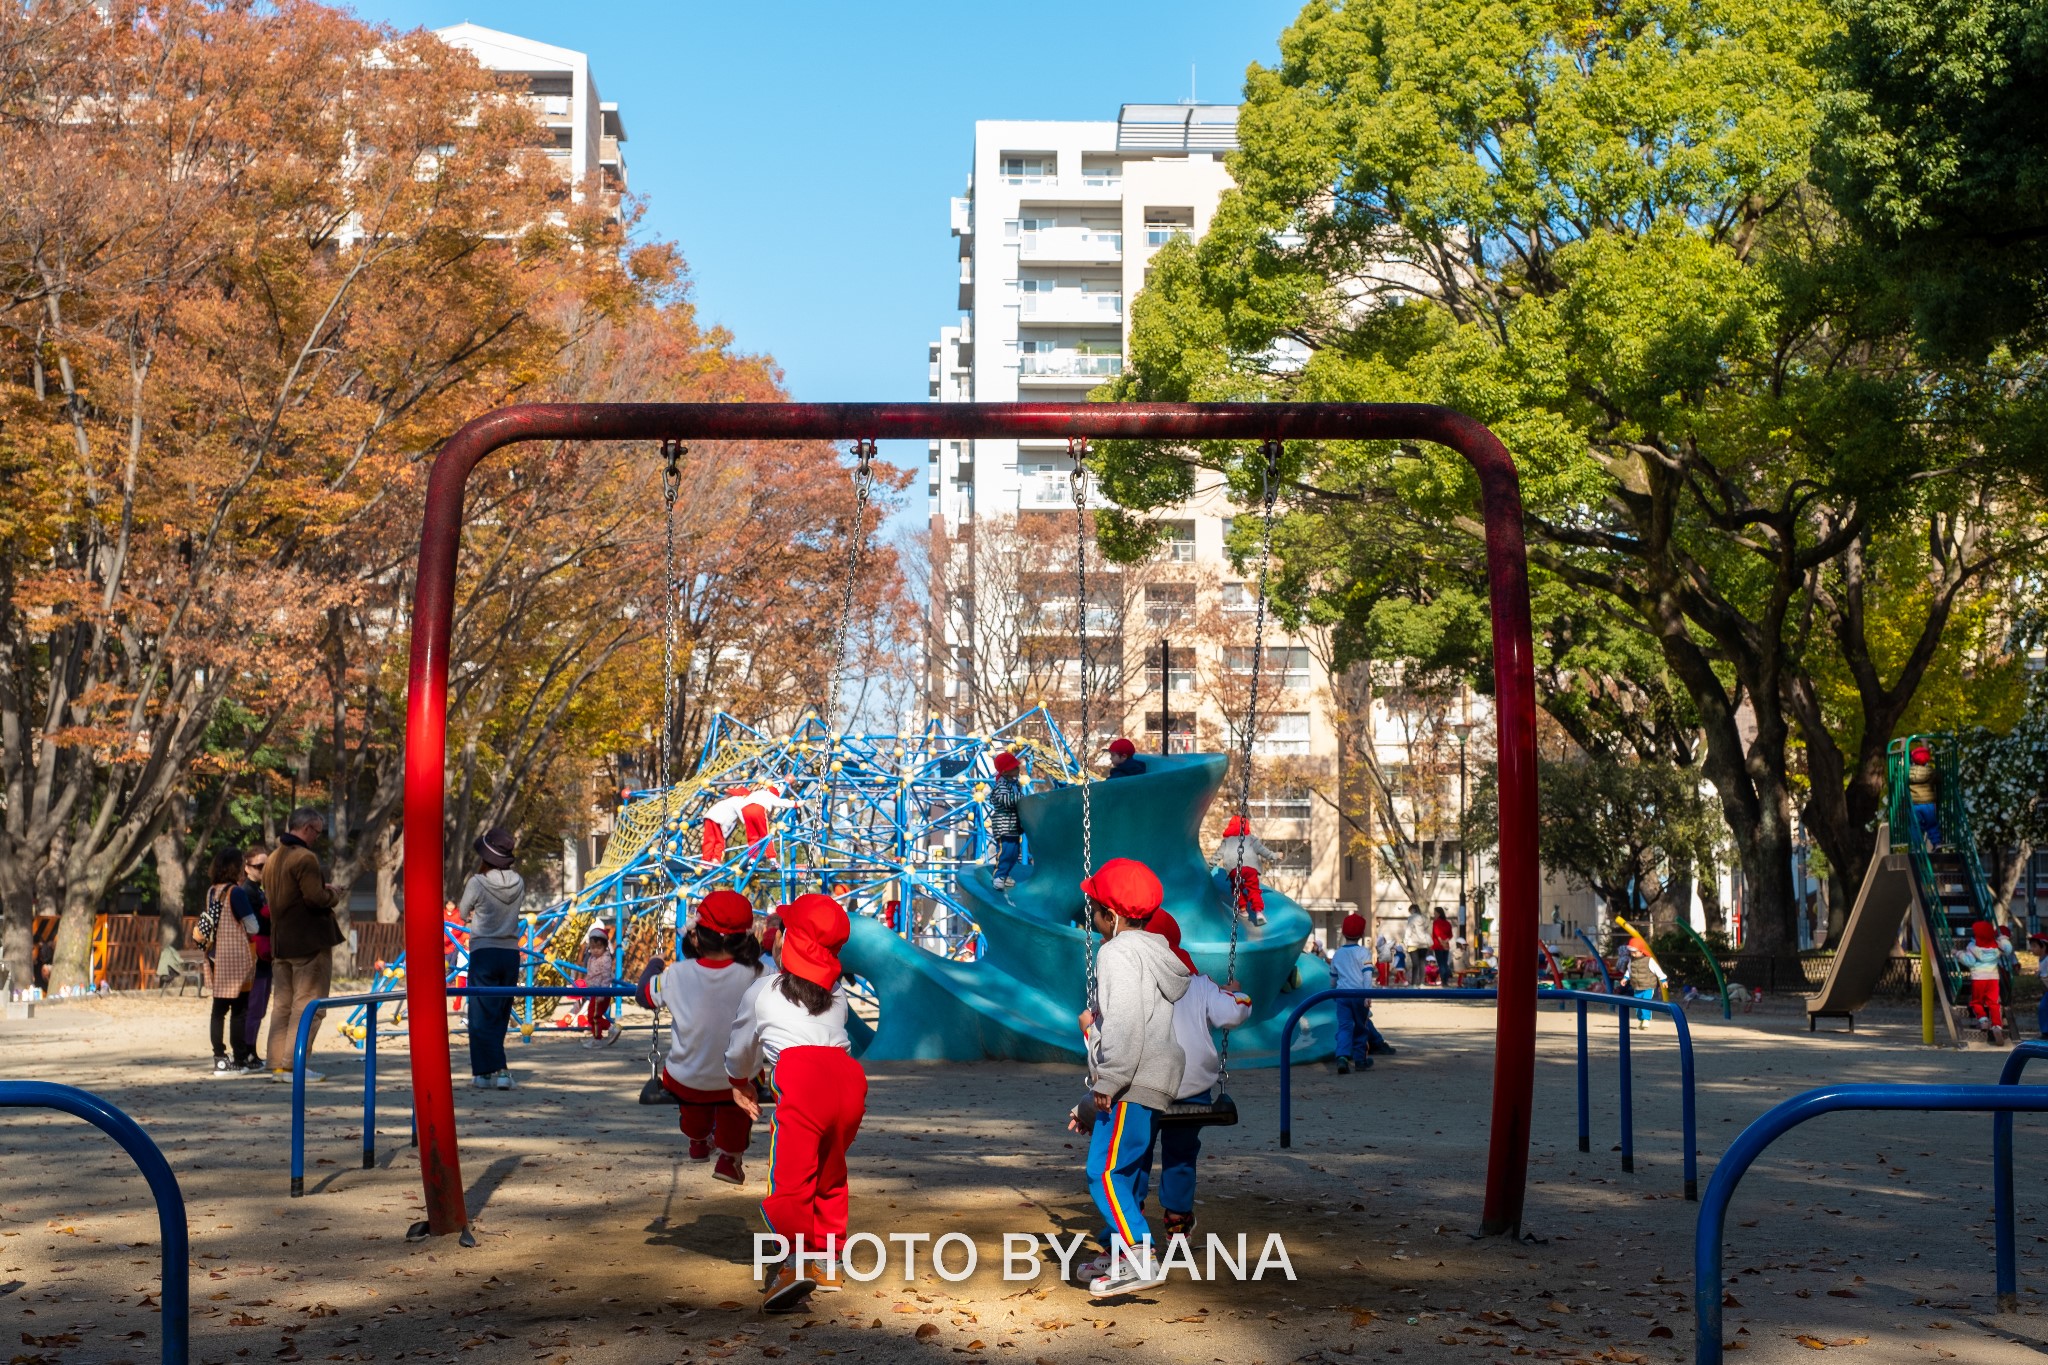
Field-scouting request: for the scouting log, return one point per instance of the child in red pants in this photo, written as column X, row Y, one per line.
column 721, row 960
column 794, row 1023
column 598, row 971
column 1982, row 957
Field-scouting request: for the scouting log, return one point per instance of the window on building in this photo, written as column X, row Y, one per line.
column 1162, row 225
column 1239, row 597
column 1286, row 665
column 1178, row 539
column 1027, row 170
column 1102, row 175
column 1169, row 602
column 1284, row 734
column 1180, row 739
column 1180, row 669
column 1281, row 803
column 1439, row 856
column 1291, row 856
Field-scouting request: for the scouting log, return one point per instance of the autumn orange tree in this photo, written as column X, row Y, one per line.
column 256, row 264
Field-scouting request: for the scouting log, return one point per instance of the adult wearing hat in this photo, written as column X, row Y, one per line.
column 794, row 1024
column 1123, row 759
column 490, row 905
column 1135, row 1067
column 1003, row 825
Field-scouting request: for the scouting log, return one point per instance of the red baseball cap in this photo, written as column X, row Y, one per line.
column 1127, row 887
column 726, row 911
column 1122, row 748
column 1236, row 826
column 1006, row 762
column 814, row 929
column 1167, row 927
column 1354, row 926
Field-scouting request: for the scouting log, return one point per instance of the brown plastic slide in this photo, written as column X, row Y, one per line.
column 1870, row 939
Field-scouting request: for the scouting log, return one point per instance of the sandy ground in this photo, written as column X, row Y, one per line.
column 1863, row 1234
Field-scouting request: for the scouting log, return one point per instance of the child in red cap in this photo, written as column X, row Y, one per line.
column 1003, row 824
column 719, row 818
column 1243, row 860
column 1136, row 1067
column 794, row 1024
column 1124, row 760
column 1351, row 967
column 1982, row 957
column 1921, row 786
column 721, row 959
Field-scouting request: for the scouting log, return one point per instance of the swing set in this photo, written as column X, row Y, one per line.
column 862, row 424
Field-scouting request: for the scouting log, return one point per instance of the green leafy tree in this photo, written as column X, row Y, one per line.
column 2005, row 785
column 1593, row 228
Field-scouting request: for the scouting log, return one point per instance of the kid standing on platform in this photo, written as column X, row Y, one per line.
column 597, row 971
column 1136, row 1067
column 794, row 1023
column 1003, row 825
column 722, row 959
column 1244, row 860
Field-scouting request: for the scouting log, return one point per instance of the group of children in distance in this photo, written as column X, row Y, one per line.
column 1148, row 1030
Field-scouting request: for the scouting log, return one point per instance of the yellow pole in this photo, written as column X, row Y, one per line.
column 1926, row 990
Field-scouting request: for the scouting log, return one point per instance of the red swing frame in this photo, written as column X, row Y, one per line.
column 433, row 613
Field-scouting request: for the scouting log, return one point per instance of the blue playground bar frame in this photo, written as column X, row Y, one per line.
column 1687, row 1108
column 370, row 1003
column 175, row 1310
column 2002, row 1100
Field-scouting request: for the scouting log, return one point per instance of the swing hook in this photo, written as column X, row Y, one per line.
column 1077, row 451
column 672, row 452
column 1269, row 478
column 864, row 456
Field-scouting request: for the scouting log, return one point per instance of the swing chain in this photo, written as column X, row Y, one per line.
column 863, row 490
column 1269, row 491
column 672, row 453
column 1077, row 451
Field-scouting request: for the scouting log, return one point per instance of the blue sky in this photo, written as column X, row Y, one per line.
column 803, row 154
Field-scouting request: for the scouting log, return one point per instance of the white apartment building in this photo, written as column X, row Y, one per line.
column 588, row 133
column 1054, row 234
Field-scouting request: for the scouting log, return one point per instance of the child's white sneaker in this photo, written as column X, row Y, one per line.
column 1127, row 1278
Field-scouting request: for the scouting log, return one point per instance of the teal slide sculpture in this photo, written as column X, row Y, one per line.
column 1020, row 999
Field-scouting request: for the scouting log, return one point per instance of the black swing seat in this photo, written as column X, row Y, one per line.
column 1220, row 1112
column 654, row 1092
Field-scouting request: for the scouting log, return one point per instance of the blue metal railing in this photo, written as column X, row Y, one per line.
column 370, row 1003
column 1624, row 1003
column 2002, row 1195
column 175, row 1314
column 1781, row 1119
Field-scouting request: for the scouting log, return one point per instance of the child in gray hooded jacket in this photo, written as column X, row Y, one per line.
column 1136, row 1066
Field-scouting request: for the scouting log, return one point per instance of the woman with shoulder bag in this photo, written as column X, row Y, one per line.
column 230, row 966
column 246, row 900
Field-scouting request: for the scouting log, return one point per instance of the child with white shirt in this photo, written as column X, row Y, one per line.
column 721, row 960
column 794, row 1024
column 1205, row 1008
column 1351, row 968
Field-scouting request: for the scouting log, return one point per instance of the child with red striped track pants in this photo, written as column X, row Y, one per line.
column 1136, row 1067
column 702, row 993
column 794, row 1023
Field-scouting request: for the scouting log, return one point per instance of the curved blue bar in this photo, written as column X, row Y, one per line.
column 2002, row 1196
column 1605, row 973
column 176, row 1312
column 1775, row 1122
column 1688, row 1110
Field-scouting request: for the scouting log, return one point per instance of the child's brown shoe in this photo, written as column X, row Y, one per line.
column 785, row 1290
column 826, row 1280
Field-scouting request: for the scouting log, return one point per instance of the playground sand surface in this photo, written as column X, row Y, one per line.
column 1867, row 1235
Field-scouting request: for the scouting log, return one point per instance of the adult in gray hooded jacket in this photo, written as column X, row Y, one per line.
column 1136, row 1065
column 490, row 904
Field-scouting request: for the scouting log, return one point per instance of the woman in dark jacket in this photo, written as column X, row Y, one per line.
column 230, row 967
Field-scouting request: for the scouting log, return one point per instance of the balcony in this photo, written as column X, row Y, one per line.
column 1072, row 305
column 1052, row 488
column 963, row 216
column 1068, row 365
column 1064, row 246
column 967, row 282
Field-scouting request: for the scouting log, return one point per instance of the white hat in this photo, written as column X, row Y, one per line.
column 596, row 928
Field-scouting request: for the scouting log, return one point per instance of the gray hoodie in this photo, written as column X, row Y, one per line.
column 1136, row 1056
column 490, row 906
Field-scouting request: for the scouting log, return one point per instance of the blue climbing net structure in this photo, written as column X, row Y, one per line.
column 885, row 822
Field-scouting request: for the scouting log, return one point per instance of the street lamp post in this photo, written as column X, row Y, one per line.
column 1463, row 730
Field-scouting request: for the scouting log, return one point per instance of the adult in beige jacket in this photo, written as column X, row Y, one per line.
column 303, row 934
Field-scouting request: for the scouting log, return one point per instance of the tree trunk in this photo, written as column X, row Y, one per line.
column 390, row 862
column 2005, row 879
column 1839, row 904
column 71, row 963
column 168, row 851
column 17, row 921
